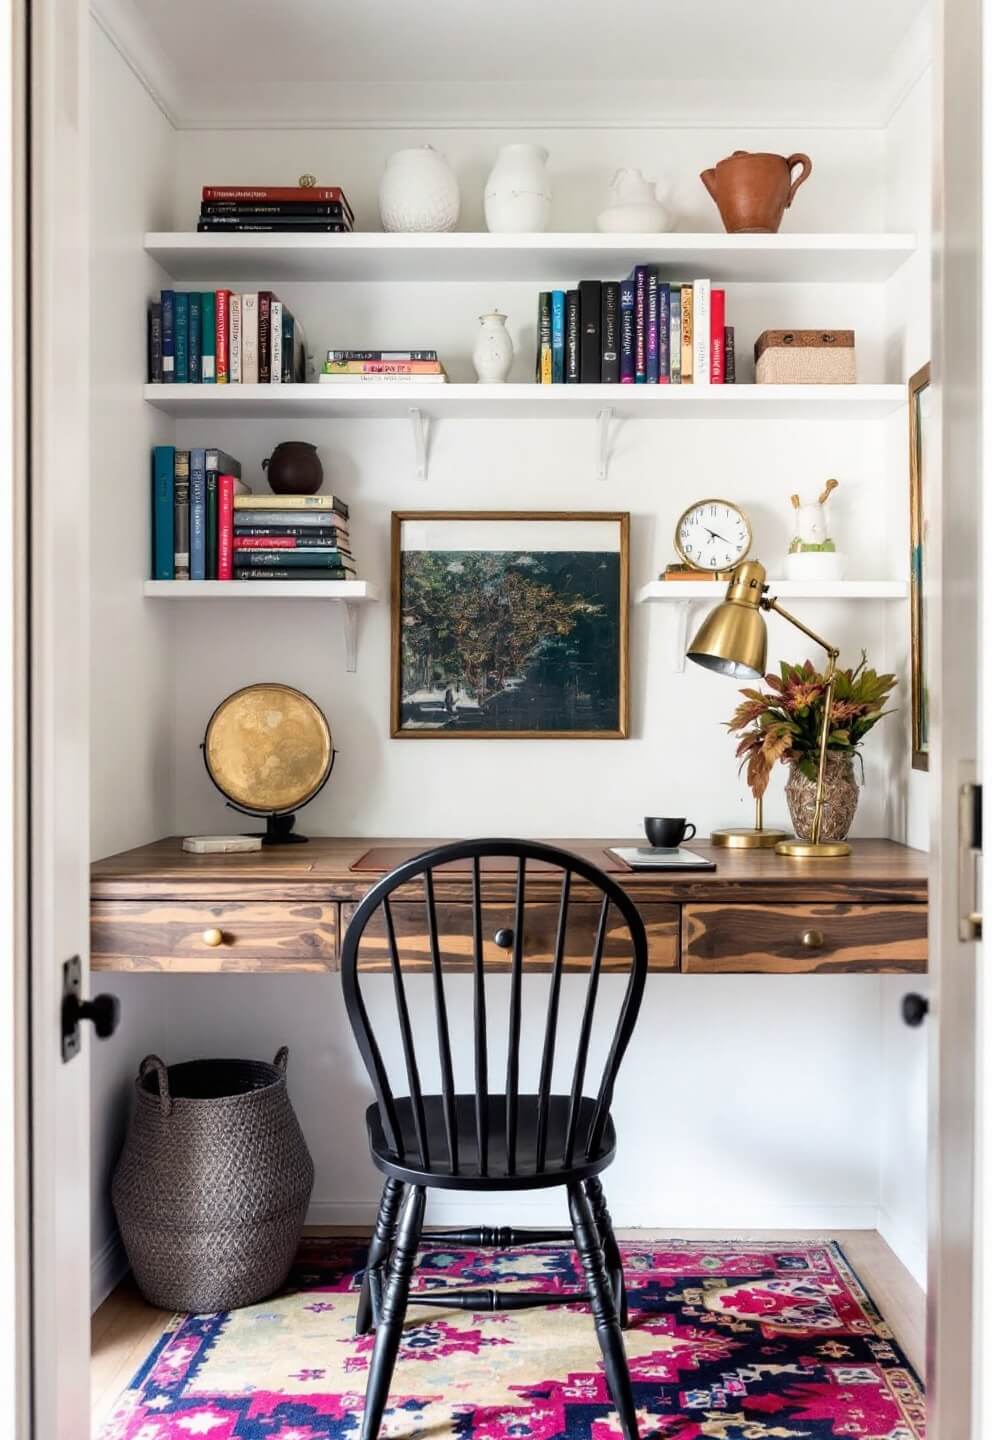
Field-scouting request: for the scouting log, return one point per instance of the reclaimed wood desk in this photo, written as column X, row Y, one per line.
column 284, row 910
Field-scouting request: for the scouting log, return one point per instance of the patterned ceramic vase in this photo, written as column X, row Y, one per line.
column 419, row 191
column 840, row 798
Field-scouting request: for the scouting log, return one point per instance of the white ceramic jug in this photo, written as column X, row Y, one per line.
column 635, row 208
column 518, row 193
column 493, row 352
column 418, row 191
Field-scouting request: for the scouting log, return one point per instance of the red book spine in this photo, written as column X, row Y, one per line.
column 222, row 348
column 718, row 315
column 225, row 527
column 263, row 542
column 316, row 194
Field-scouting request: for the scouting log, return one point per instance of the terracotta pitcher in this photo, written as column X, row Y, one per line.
column 753, row 191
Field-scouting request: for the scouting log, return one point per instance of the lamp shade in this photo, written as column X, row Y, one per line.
column 733, row 639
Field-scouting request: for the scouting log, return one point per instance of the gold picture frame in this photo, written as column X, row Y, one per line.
column 566, row 575
column 919, row 387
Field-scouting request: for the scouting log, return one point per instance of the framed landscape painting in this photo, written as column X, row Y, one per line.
column 919, row 406
column 509, row 625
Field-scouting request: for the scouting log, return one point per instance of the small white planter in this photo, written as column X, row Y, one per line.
column 814, row 565
column 418, row 192
column 493, row 352
column 518, row 193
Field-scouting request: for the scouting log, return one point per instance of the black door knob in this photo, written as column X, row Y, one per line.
column 504, row 939
column 914, row 1009
column 103, row 1010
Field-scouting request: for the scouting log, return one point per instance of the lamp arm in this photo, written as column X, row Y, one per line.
column 828, row 705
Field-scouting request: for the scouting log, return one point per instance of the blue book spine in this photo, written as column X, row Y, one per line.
column 640, row 324
column 197, row 515
column 195, row 337
column 163, row 463
column 182, row 338
column 627, row 331
column 168, row 302
column 664, row 334
column 208, row 343
column 557, row 337
column 651, row 326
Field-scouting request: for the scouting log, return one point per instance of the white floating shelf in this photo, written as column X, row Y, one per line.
column 549, row 258
column 349, row 594
column 685, row 591
column 385, row 400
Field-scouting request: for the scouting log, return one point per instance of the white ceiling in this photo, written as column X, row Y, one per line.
column 239, row 62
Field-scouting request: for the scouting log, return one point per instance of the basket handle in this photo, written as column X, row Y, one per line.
column 281, row 1059
column 152, row 1062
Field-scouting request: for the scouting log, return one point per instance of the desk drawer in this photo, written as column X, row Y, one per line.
column 540, row 927
column 804, row 939
column 277, row 935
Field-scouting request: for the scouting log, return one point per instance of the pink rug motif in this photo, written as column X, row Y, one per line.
column 738, row 1340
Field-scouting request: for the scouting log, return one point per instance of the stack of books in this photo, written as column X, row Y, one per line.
column 219, row 337
column 274, row 209
column 638, row 331
column 193, row 494
column 288, row 537
column 354, row 366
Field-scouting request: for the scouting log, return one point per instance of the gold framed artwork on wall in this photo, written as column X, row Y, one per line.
column 919, row 426
column 510, row 625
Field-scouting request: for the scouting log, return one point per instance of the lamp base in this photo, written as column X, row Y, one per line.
column 748, row 837
column 807, row 850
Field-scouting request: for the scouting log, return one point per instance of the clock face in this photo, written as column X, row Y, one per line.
column 713, row 535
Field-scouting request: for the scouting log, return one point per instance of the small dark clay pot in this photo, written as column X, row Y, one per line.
column 294, row 468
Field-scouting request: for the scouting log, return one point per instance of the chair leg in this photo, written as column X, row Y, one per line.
column 604, row 1308
column 387, row 1336
column 379, row 1247
column 611, row 1250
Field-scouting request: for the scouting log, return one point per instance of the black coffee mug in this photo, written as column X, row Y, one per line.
column 665, row 833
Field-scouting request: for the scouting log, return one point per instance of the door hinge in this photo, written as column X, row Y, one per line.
column 103, row 1010
column 969, row 857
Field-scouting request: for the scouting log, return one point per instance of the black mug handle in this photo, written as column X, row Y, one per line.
column 690, row 830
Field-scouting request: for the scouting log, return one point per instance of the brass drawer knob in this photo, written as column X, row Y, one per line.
column 813, row 939
column 213, row 938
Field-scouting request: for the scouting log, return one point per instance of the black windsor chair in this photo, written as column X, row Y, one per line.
column 493, row 1141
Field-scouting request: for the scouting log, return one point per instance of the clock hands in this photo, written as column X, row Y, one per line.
column 714, row 536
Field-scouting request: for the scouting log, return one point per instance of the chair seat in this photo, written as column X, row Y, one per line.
column 438, row 1173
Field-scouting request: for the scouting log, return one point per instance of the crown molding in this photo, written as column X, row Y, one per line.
column 910, row 62
column 123, row 26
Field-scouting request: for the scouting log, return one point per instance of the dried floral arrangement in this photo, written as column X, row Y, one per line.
column 784, row 723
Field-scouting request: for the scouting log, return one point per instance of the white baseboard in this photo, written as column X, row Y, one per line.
column 107, row 1269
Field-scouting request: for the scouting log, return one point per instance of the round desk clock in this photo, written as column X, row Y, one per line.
column 269, row 751
column 713, row 535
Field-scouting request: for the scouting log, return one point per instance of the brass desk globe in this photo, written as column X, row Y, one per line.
column 268, row 749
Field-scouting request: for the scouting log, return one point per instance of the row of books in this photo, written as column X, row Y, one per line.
column 274, row 209
column 218, row 337
column 638, row 331
column 374, row 366
column 207, row 525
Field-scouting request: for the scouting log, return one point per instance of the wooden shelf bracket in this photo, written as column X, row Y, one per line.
column 603, row 420
column 420, row 425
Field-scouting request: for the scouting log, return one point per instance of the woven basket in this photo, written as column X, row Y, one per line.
column 213, row 1183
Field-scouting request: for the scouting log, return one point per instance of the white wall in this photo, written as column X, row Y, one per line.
column 132, row 753
column 769, row 1091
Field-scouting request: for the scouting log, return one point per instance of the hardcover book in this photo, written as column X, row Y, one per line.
column 729, row 356
column 688, row 339
column 717, row 315
column 264, row 336
column 651, row 343
column 197, row 515
column 701, row 332
column 571, row 337
column 344, row 357
column 610, row 333
column 543, row 375
column 284, row 572
column 195, row 337
column 291, row 503
column 279, row 194
column 675, row 333
column 180, row 511
column 222, row 343
column 628, row 325
column 275, row 343
column 260, row 210
column 155, row 343
column 316, row 541
column 325, row 559
column 288, row 347
column 208, row 344
column 664, row 336
column 168, row 303
column 640, row 324
column 382, row 367
column 590, row 305
column 163, row 517
column 270, row 227
column 216, row 461
column 249, row 339
column 303, row 533
column 182, row 337
column 557, row 337
column 297, row 520
column 234, row 337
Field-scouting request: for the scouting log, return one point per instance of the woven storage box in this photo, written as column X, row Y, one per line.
column 213, row 1183
column 804, row 357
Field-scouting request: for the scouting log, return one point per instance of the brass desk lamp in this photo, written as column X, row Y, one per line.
column 733, row 640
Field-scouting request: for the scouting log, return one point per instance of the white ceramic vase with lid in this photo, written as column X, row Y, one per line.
column 518, row 192
column 418, row 191
column 493, row 352
column 635, row 208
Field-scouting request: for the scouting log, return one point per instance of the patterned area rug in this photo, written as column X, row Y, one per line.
column 729, row 1341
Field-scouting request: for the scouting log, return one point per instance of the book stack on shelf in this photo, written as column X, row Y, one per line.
column 218, row 337
column 638, row 331
column 193, row 495
column 274, row 210
column 360, row 366
column 289, row 537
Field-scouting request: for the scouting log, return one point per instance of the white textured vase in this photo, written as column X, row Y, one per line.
column 518, row 192
column 418, row 191
column 493, row 353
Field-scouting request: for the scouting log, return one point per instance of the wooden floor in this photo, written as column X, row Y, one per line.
column 125, row 1328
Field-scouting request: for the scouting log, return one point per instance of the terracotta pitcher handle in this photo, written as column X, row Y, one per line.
column 807, row 170
column 708, row 178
